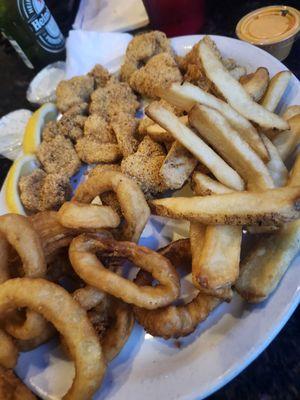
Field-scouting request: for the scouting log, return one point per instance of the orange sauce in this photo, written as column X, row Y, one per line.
column 269, row 25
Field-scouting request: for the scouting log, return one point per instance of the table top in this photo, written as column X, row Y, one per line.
column 275, row 373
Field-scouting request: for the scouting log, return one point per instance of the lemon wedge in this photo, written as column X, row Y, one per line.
column 33, row 132
column 22, row 166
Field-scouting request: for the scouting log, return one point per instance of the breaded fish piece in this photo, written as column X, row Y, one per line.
column 40, row 191
column 113, row 98
column 71, row 126
column 97, row 127
column 91, row 150
column 30, row 187
column 125, row 126
column 74, row 91
column 159, row 72
column 12, row 388
column 100, row 74
column 141, row 48
column 56, row 189
column 50, row 130
column 59, row 156
column 144, row 166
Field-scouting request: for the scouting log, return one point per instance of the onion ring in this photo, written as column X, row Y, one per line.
column 17, row 231
column 132, row 200
column 8, row 351
column 82, row 253
column 88, row 297
column 174, row 321
column 31, row 344
column 87, row 216
column 58, row 306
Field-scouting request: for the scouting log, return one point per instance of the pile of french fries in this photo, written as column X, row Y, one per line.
column 243, row 145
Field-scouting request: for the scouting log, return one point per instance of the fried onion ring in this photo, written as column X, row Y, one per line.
column 8, row 351
column 31, row 344
column 132, row 200
column 87, row 216
column 82, row 253
column 18, row 232
column 88, row 297
column 58, row 306
column 174, row 321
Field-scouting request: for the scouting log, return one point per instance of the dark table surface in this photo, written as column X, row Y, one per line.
column 274, row 375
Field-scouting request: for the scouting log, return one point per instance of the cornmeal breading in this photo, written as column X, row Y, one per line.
column 40, row 191
column 159, row 72
column 100, row 74
column 144, row 166
column 124, row 126
column 74, row 91
column 12, row 388
column 113, row 98
column 99, row 128
column 71, row 127
column 91, row 150
column 56, row 189
column 50, row 130
column 30, row 187
column 78, row 109
column 141, row 49
column 59, row 156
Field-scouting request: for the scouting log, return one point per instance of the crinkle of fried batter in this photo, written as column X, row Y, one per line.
column 71, row 127
column 59, row 156
column 97, row 127
column 144, row 166
column 113, row 98
column 91, row 150
column 50, row 130
column 124, row 126
column 78, row 109
column 141, row 48
column 100, row 74
column 159, row 72
column 74, row 91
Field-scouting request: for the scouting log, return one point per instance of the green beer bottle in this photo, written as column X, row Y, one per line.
column 32, row 31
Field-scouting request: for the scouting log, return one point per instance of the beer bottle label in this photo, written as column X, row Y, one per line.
column 43, row 25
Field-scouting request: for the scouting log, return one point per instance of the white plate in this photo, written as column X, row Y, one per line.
column 230, row 339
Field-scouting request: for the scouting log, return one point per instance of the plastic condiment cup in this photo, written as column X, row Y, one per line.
column 273, row 28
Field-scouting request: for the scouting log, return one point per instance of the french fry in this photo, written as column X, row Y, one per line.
column 212, row 273
column 273, row 206
column 276, row 167
column 159, row 134
column 294, row 178
column 221, row 170
column 276, row 89
column 234, row 92
column 187, row 95
column 203, row 185
column 215, row 129
column 256, row 83
column 177, row 166
column 287, row 141
column 290, row 112
column 263, row 268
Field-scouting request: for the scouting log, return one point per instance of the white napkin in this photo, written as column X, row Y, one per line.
column 110, row 15
column 87, row 48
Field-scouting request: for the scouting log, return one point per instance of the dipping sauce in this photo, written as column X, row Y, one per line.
column 270, row 26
